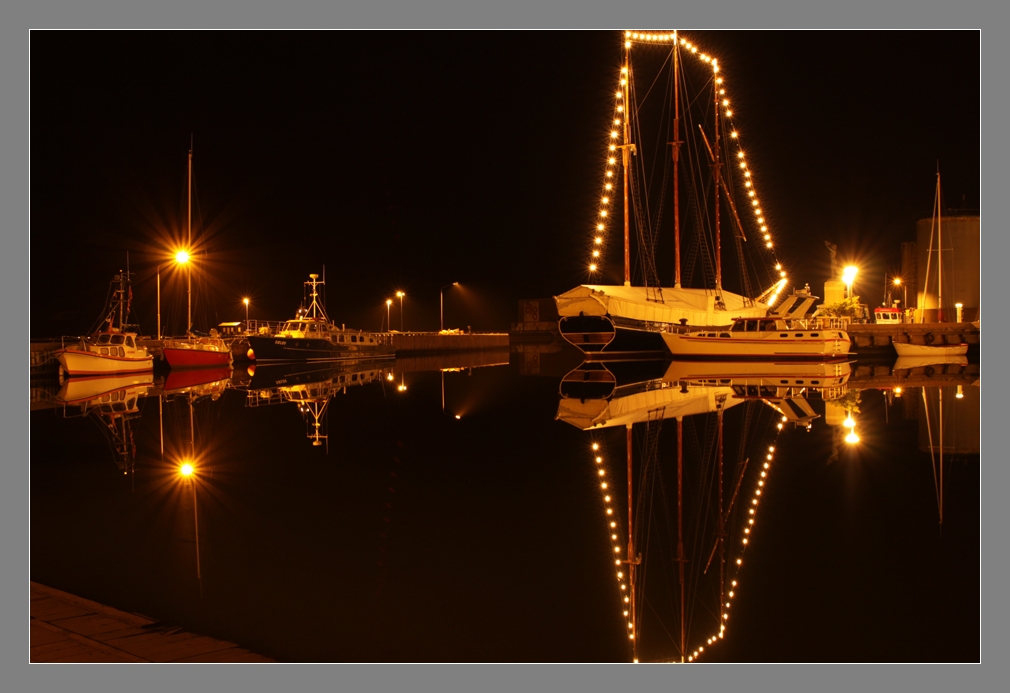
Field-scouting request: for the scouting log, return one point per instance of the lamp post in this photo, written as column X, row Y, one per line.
column 904, row 298
column 182, row 258
column 158, row 298
column 246, row 302
column 958, row 306
column 400, row 295
column 441, row 321
column 849, row 277
column 389, row 302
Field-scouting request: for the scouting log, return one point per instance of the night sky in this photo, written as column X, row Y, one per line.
column 410, row 160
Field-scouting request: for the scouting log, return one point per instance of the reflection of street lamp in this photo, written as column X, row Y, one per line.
column 849, row 276
column 389, row 302
column 400, row 295
column 187, row 472
column 850, row 424
column 441, row 322
column 246, row 302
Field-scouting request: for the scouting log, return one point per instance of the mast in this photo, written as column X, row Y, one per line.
column 676, row 171
column 189, row 238
column 631, row 553
column 939, row 251
column 717, row 178
column 625, row 162
column 680, row 532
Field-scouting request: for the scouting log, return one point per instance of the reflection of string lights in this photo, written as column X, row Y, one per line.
column 621, row 96
column 601, row 472
column 744, row 542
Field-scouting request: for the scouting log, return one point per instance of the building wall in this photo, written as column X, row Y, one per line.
column 961, row 270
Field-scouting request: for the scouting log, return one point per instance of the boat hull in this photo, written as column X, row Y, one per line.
column 76, row 362
column 194, row 354
column 765, row 346
column 84, row 389
column 925, row 351
column 276, row 348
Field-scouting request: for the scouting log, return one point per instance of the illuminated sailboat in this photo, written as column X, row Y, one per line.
column 602, row 318
column 193, row 351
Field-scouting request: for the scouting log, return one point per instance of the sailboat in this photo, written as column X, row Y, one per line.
column 113, row 349
column 612, row 318
column 939, row 352
column 192, row 351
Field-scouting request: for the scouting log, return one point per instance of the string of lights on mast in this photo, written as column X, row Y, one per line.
column 614, row 531
column 617, row 140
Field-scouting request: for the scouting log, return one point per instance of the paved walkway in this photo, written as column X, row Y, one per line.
column 66, row 628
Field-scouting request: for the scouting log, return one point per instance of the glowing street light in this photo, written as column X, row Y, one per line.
column 389, row 302
column 959, row 306
column 400, row 295
column 849, row 277
column 246, row 302
column 441, row 321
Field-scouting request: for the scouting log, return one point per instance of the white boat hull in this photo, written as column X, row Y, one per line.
column 772, row 345
column 926, row 351
column 76, row 362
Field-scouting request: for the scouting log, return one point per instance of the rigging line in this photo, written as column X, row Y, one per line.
column 932, row 458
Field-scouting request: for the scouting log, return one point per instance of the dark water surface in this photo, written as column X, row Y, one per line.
column 411, row 535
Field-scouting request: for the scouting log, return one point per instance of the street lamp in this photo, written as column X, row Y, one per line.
column 904, row 298
column 959, row 306
column 246, row 302
column 849, row 276
column 389, row 302
column 441, row 321
column 400, row 295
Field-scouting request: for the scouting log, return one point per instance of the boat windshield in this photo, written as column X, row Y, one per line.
column 294, row 327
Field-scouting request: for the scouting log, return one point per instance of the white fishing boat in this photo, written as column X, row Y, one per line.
column 608, row 317
column 112, row 349
column 938, row 353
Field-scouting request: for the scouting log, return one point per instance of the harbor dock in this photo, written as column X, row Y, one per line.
column 67, row 628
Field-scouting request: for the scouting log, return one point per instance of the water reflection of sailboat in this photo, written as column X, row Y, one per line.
column 112, row 401
column 948, row 428
column 686, row 538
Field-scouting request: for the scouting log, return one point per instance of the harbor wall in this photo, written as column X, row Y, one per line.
column 435, row 342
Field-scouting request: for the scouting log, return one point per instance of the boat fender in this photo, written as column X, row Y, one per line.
column 928, row 338
column 929, row 371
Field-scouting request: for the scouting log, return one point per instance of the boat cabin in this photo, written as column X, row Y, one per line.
column 758, row 325
column 887, row 316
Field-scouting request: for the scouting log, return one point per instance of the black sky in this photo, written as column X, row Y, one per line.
column 409, row 160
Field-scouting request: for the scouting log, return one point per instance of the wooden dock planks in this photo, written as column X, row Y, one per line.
column 67, row 628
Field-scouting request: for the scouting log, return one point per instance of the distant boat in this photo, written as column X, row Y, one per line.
column 192, row 351
column 939, row 352
column 311, row 336
column 111, row 350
